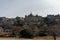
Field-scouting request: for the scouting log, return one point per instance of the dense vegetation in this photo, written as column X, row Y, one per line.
column 32, row 26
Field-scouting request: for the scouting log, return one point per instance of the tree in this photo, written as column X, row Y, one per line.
column 18, row 22
column 49, row 21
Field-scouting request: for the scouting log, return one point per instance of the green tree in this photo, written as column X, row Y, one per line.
column 18, row 22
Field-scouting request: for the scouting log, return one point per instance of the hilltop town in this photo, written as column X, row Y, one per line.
column 32, row 24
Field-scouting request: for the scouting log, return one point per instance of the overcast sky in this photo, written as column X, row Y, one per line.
column 13, row 8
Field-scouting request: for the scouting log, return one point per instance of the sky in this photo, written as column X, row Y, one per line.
column 13, row 8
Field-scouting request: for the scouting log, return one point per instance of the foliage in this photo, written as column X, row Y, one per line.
column 26, row 34
column 49, row 21
column 18, row 22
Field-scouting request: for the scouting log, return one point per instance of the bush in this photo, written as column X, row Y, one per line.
column 25, row 34
column 42, row 33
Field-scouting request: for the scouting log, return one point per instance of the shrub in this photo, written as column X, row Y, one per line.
column 25, row 34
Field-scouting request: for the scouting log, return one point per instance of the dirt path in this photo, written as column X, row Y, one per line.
column 38, row 38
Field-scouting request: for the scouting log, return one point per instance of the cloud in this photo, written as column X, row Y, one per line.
column 13, row 8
